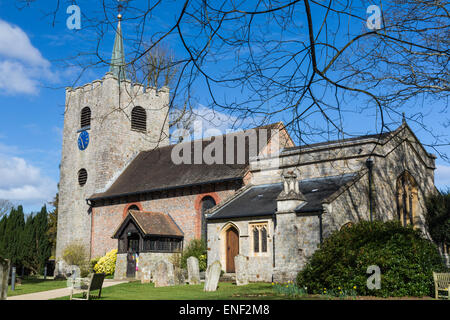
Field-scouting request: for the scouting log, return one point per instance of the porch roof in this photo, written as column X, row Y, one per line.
column 150, row 223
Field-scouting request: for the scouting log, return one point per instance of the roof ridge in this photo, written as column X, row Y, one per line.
column 206, row 139
column 380, row 135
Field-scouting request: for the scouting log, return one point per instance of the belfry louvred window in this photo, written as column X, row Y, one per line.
column 85, row 118
column 82, row 177
column 138, row 119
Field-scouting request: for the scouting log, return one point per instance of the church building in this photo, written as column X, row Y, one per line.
column 120, row 187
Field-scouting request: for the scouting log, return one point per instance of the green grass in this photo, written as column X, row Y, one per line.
column 225, row 291
column 31, row 285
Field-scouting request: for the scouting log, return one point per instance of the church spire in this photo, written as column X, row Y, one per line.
column 117, row 66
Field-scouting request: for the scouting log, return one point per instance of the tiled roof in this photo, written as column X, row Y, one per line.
column 155, row 170
column 261, row 200
column 151, row 224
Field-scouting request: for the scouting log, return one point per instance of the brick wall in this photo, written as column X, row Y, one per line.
column 183, row 206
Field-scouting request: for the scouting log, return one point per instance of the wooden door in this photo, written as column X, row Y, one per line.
column 131, row 265
column 132, row 250
column 232, row 248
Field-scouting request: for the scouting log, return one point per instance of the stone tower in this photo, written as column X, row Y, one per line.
column 106, row 124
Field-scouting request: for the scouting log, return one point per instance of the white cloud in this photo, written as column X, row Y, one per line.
column 15, row 78
column 442, row 177
column 22, row 66
column 206, row 122
column 23, row 183
column 14, row 43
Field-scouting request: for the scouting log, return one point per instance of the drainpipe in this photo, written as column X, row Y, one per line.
column 320, row 227
column 273, row 243
column 369, row 164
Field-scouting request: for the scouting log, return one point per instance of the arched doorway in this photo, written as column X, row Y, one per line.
column 232, row 248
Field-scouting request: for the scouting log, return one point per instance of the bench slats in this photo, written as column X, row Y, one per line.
column 95, row 283
column 441, row 283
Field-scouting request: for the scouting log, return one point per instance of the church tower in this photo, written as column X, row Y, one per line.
column 106, row 124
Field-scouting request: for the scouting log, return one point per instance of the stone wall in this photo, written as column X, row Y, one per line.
column 182, row 205
column 147, row 260
column 296, row 239
column 351, row 206
column 111, row 147
column 259, row 264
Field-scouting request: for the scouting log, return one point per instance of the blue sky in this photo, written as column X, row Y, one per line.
column 33, row 75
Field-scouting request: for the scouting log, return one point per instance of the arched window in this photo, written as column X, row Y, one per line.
column 82, row 177
column 263, row 239
column 207, row 203
column 133, row 207
column 406, row 199
column 138, row 119
column 260, row 236
column 255, row 239
column 85, row 118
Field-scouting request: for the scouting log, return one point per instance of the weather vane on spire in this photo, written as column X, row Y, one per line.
column 117, row 66
column 120, row 7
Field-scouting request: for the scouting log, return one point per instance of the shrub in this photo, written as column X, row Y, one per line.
column 405, row 258
column 175, row 259
column 107, row 263
column 92, row 264
column 76, row 254
column 195, row 248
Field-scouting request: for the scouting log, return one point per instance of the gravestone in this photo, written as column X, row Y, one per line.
column 146, row 275
column 180, row 278
column 4, row 274
column 193, row 270
column 212, row 276
column 164, row 274
column 240, row 263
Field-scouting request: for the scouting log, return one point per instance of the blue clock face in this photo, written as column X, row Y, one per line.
column 83, row 140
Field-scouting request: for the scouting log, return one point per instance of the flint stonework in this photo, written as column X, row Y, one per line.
column 193, row 270
column 212, row 276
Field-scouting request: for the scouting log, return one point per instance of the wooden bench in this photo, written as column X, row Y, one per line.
column 441, row 283
column 94, row 282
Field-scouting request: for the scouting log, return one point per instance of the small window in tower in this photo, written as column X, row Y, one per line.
column 138, row 119
column 85, row 121
column 82, row 177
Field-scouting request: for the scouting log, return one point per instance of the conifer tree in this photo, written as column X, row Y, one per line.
column 13, row 236
column 43, row 245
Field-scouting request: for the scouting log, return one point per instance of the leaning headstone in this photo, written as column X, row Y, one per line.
column 240, row 263
column 146, row 275
column 4, row 274
column 193, row 270
column 164, row 274
column 212, row 276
